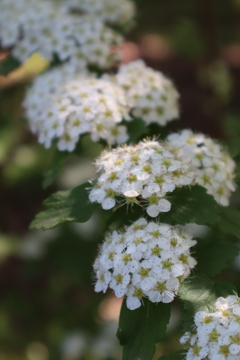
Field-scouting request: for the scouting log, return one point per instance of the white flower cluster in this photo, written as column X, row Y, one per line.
column 32, row 25
column 141, row 174
column 213, row 167
column 152, row 96
column 217, row 334
column 110, row 11
column 68, row 109
column 146, row 260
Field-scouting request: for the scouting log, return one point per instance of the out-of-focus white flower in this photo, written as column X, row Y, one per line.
column 216, row 335
column 74, row 345
column 34, row 246
column 145, row 260
column 113, row 12
column 61, row 108
column 150, row 94
column 213, row 167
column 105, row 344
column 141, row 174
column 43, row 26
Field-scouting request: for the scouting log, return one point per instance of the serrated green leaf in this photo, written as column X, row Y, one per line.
column 70, row 205
column 191, row 205
column 54, row 168
column 216, row 256
column 199, row 294
column 177, row 355
column 229, row 222
column 141, row 329
column 136, row 129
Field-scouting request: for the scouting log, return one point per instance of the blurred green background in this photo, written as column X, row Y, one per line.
column 48, row 308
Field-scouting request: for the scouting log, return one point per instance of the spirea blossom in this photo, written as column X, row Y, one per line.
column 151, row 95
column 67, row 110
column 217, row 334
column 141, row 174
column 213, row 167
column 110, row 11
column 43, row 26
column 145, row 260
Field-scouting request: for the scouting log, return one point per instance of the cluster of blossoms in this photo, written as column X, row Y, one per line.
column 74, row 107
column 30, row 26
column 109, row 11
column 145, row 260
column 150, row 94
column 213, row 167
column 217, row 334
column 141, row 174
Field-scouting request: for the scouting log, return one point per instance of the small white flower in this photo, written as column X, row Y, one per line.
column 53, row 30
column 213, row 167
column 110, row 11
column 143, row 174
column 214, row 337
column 150, row 94
column 67, row 106
column 139, row 265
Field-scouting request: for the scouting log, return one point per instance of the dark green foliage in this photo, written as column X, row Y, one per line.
column 8, row 65
column 70, row 205
column 229, row 221
column 191, row 205
column 136, row 129
column 177, row 355
column 216, row 255
column 139, row 330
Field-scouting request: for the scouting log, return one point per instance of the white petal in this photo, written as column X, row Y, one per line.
column 153, row 210
column 131, row 193
column 153, row 188
column 234, row 349
column 97, row 195
column 108, row 204
column 177, row 270
column 167, row 296
column 154, row 296
column 164, row 205
column 133, row 303
column 147, row 284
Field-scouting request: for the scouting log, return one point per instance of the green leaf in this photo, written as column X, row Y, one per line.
column 136, row 129
column 8, row 65
column 215, row 257
column 54, row 168
column 70, row 205
column 224, row 289
column 139, row 330
column 191, row 205
column 199, row 294
column 177, row 355
column 229, row 222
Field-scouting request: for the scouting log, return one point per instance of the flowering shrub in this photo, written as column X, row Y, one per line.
column 152, row 185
